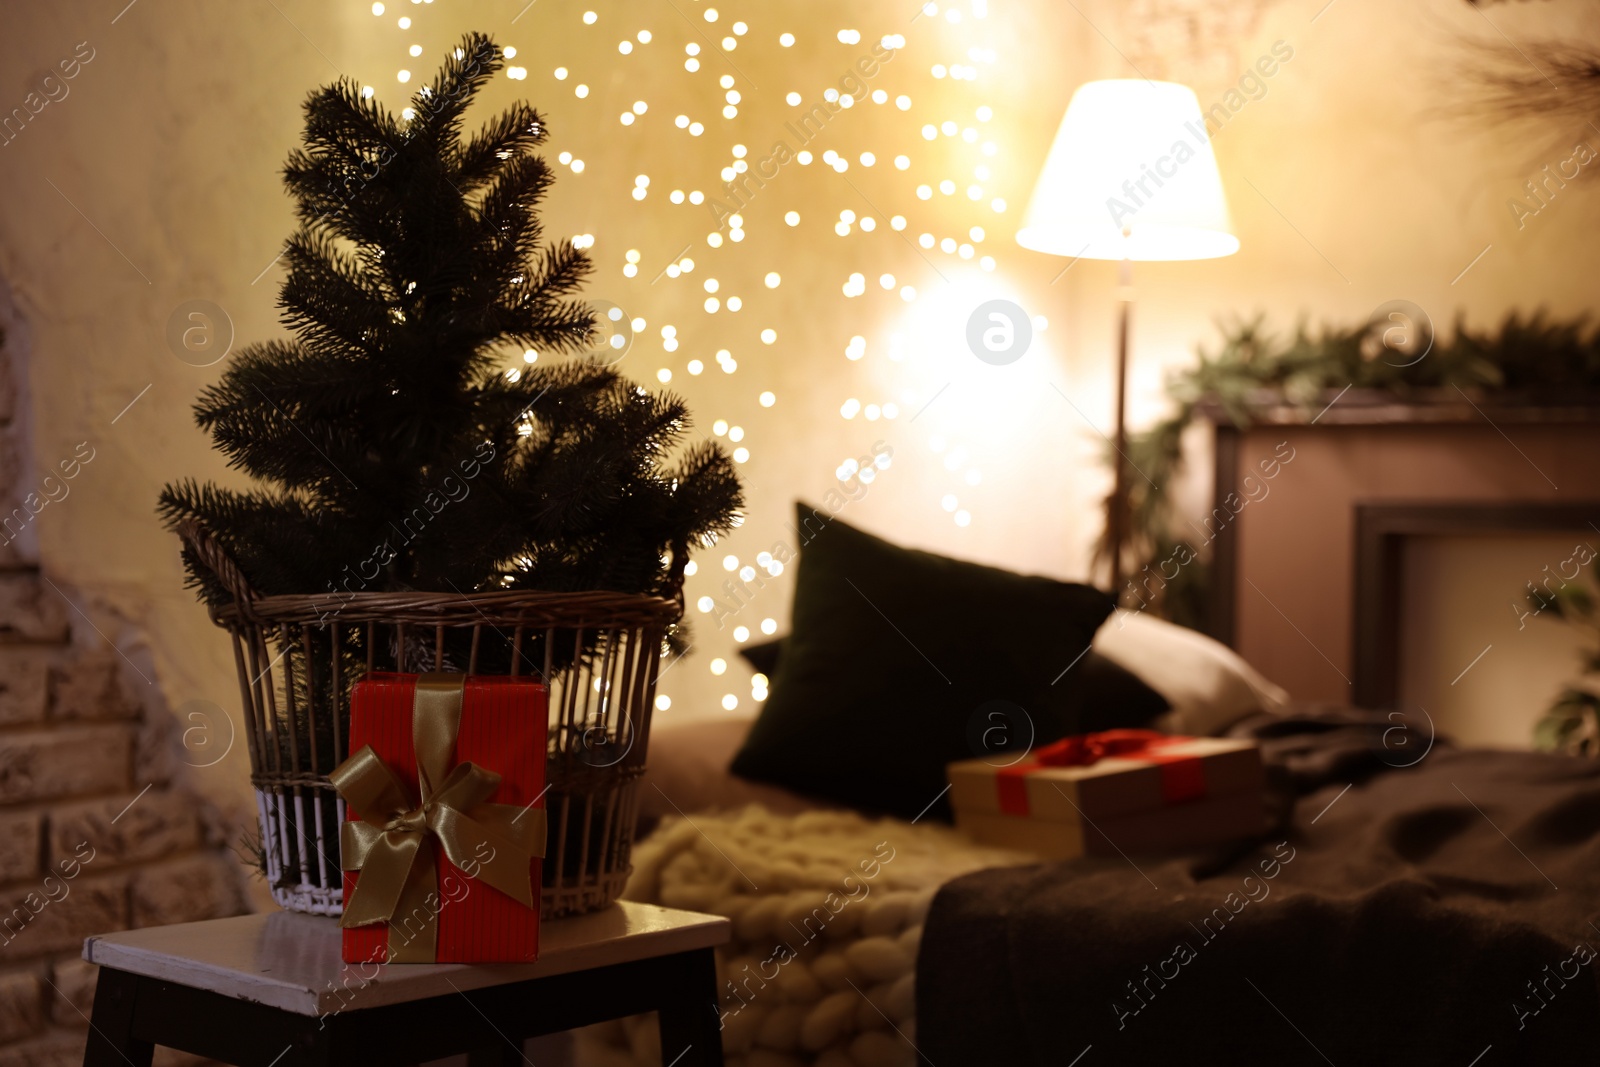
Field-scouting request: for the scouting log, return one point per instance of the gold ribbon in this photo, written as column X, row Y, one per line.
column 494, row 843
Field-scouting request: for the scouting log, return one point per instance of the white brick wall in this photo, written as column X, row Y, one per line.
column 85, row 846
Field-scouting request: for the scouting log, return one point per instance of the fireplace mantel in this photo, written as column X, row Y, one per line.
column 1291, row 556
column 1371, row 407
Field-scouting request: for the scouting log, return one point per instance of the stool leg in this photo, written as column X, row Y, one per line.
column 111, row 1041
column 691, row 1029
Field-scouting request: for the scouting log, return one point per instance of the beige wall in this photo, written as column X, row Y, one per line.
column 169, row 143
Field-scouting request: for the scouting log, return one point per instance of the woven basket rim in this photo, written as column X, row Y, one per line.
column 588, row 608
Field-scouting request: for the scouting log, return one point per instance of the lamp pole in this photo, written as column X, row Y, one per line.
column 1117, row 506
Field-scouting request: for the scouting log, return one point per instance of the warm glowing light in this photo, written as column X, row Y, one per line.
column 768, row 399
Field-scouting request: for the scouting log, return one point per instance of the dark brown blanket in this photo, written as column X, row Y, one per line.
column 1444, row 913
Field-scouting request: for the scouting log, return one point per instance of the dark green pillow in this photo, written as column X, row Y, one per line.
column 1107, row 695
column 896, row 659
column 764, row 657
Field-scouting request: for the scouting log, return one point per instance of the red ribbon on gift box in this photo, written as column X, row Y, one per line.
column 1182, row 777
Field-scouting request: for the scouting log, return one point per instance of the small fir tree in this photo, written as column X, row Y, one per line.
column 396, row 451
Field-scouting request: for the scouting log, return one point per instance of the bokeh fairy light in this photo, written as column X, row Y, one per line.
column 915, row 187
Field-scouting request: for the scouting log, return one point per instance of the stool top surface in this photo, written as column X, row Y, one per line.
column 291, row 961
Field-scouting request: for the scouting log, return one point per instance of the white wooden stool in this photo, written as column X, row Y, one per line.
column 270, row 990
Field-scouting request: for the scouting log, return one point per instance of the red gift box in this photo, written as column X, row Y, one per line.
column 500, row 731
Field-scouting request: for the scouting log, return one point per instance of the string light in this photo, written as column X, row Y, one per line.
column 955, row 162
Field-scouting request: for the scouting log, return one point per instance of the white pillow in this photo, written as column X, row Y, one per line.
column 1209, row 686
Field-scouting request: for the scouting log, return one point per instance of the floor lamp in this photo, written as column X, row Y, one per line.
column 1130, row 176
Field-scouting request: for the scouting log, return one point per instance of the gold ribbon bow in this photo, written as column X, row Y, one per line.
column 494, row 843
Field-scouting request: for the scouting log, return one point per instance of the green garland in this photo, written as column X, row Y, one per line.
column 1531, row 360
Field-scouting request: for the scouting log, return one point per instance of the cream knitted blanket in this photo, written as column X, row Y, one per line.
column 827, row 911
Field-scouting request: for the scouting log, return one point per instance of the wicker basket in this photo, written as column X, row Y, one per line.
column 298, row 656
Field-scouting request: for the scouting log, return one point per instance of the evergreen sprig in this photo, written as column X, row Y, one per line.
column 386, row 431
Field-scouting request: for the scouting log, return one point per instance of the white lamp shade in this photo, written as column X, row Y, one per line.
column 1130, row 175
